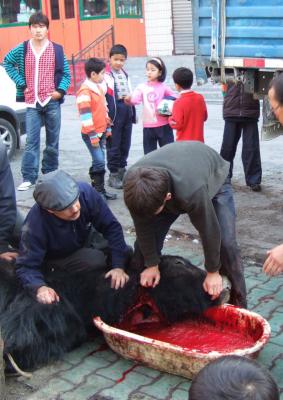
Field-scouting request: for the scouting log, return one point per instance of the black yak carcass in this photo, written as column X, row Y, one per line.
column 35, row 334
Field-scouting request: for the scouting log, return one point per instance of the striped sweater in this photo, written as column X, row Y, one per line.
column 14, row 64
column 93, row 112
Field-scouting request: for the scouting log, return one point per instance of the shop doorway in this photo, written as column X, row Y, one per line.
column 64, row 27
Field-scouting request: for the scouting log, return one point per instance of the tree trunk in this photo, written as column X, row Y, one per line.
column 2, row 379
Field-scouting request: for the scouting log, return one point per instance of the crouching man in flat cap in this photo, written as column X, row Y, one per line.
column 56, row 230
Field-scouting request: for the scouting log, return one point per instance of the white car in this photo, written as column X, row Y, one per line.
column 12, row 114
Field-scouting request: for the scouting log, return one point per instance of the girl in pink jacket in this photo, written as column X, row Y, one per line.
column 156, row 129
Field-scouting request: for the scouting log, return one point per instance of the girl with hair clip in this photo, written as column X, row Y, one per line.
column 156, row 129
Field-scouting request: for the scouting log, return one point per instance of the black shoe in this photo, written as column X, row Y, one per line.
column 114, row 181
column 121, row 173
column 109, row 196
column 97, row 181
column 256, row 187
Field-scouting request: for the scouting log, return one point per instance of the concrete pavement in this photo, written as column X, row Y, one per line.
column 93, row 371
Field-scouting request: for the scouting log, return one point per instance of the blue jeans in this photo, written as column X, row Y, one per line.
column 50, row 115
column 231, row 264
column 97, row 153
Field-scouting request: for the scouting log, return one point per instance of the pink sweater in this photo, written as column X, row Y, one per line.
column 150, row 94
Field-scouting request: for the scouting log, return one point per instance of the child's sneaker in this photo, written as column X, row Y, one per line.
column 25, row 186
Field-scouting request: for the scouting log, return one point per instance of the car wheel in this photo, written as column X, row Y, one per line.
column 9, row 137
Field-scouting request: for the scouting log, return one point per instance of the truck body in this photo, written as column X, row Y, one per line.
column 240, row 40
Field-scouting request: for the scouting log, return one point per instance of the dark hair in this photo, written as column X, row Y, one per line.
column 38, row 18
column 118, row 49
column 94, row 65
column 233, row 377
column 145, row 190
column 277, row 85
column 183, row 77
column 158, row 63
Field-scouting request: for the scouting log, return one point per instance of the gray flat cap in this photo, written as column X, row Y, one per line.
column 56, row 191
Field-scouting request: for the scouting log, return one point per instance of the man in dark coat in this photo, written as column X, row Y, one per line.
column 56, row 231
column 241, row 114
column 10, row 219
column 186, row 177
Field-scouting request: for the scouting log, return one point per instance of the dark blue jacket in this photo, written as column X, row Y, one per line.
column 45, row 236
column 8, row 209
column 111, row 96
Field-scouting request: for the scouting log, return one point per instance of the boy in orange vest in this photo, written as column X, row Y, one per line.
column 95, row 122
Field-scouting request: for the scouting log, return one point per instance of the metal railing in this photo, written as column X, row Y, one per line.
column 98, row 48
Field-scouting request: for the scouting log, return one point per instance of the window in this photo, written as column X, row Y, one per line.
column 17, row 11
column 69, row 9
column 90, row 9
column 129, row 8
column 54, row 7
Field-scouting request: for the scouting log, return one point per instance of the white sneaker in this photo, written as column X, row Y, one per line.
column 25, row 186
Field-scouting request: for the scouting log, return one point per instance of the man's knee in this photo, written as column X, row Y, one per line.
column 92, row 258
column 82, row 260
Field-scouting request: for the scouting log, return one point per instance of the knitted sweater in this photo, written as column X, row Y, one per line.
column 14, row 64
column 196, row 173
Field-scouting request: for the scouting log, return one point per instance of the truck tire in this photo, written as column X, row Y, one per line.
column 9, row 137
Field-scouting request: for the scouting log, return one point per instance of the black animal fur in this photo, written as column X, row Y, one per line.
column 36, row 334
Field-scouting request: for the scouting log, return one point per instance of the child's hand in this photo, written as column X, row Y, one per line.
column 109, row 121
column 127, row 100
column 94, row 140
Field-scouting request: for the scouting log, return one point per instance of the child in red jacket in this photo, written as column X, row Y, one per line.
column 189, row 110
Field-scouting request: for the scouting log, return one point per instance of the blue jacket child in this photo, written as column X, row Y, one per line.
column 121, row 114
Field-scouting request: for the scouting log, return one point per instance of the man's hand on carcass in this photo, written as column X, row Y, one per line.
column 213, row 284
column 46, row 295
column 118, row 277
column 150, row 277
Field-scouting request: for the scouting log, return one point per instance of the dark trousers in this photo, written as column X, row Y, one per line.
column 16, row 235
column 118, row 146
column 160, row 135
column 82, row 260
column 230, row 259
column 250, row 150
